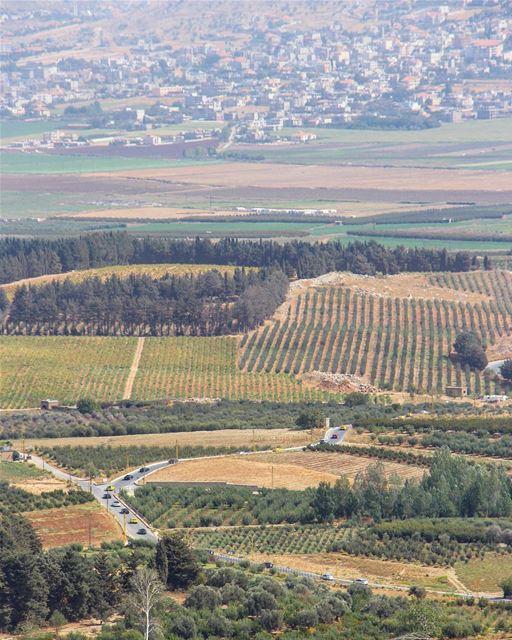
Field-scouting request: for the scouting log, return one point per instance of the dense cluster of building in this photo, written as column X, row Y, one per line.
column 414, row 63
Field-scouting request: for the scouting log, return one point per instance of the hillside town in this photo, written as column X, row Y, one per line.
column 408, row 65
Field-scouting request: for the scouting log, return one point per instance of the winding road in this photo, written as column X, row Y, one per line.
column 131, row 530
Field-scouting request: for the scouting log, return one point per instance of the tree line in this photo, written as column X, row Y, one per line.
column 206, row 304
column 453, row 487
column 23, row 258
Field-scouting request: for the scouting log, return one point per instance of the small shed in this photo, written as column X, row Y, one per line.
column 456, row 392
column 49, row 404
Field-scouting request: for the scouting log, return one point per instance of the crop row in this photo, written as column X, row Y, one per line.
column 396, row 343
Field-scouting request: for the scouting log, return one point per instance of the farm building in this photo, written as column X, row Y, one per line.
column 49, row 404
column 456, row 392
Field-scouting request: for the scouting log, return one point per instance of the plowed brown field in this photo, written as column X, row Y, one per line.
column 58, row 527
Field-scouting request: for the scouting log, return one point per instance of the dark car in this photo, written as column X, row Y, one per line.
column 141, row 531
column 107, row 496
column 128, row 477
column 124, row 510
column 173, row 460
column 143, row 469
column 268, row 565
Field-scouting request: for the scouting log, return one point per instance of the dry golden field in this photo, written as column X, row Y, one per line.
column 242, row 438
column 121, row 271
column 286, row 470
column 268, row 175
column 243, row 470
column 380, row 571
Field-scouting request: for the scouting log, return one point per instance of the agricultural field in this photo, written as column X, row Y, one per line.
column 385, row 572
column 286, row 470
column 483, row 144
column 46, row 163
column 197, row 367
column 65, row 368
column 347, row 464
column 121, row 271
column 221, row 506
column 103, row 460
column 485, row 574
column 28, row 477
column 238, row 438
column 85, row 524
column 382, row 334
column 244, row 471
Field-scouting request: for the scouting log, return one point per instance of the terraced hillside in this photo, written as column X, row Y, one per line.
column 395, row 332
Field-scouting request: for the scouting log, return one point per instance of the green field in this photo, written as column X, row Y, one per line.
column 474, row 144
column 469, row 131
column 17, row 471
column 313, row 232
column 22, row 204
column 485, row 574
column 68, row 368
column 33, row 368
column 19, row 129
column 16, row 162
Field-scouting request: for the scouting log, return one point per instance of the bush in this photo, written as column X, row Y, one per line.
column 506, row 585
column 87, row 405
column 202, row 597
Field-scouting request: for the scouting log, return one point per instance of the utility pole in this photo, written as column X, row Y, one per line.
column 124, row 528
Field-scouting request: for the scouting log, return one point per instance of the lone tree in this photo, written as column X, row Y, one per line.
column 506, row 370
column 182, row 568
column 146, row 590
column 311, row 417
column 470, row 350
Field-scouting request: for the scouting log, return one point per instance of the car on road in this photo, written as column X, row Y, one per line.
column 110, row 488
column 172, row 461
column 143, row 469
column 361, row 581
column 116, row 503
column 141, row 531
column 133, row 520
column 128, row 476
column 328, row 577
column 106, row 496
column 124, row 510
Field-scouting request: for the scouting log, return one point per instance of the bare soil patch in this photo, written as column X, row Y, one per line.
column 61, row 526
column 40, row 485
column 244, row 471
column 403, row 285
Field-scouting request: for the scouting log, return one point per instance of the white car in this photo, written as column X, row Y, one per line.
column 329, row 577
column 361, row 581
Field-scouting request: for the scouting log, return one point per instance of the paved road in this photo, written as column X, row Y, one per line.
column 138, row 477
column 99, row 490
